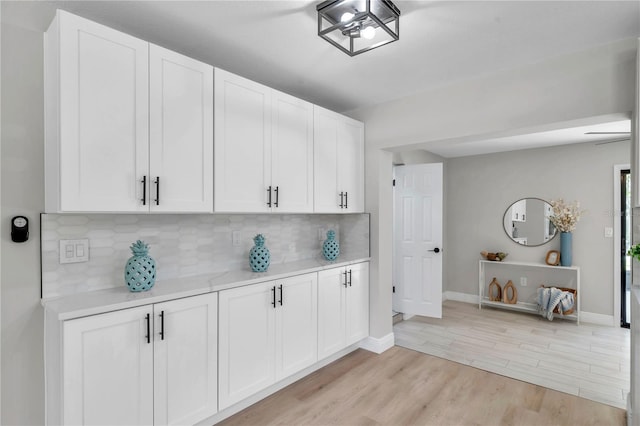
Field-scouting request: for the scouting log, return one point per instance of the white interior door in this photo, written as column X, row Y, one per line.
column 417, row 263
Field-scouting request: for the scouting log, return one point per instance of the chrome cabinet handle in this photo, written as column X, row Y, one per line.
column 269, row 201
column 161, row 325
column 281, row 298
column 277, row 196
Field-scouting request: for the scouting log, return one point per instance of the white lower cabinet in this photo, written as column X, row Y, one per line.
column 267, row 332
column 185, row 360
column 154, row 364
column 343, row 307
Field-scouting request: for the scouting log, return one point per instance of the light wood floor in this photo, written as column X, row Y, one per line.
column 586, row 360
column 405, row 387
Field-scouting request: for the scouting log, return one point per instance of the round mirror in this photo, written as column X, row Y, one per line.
column 527, row 222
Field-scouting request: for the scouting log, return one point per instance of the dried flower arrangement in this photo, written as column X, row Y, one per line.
column 565, row 216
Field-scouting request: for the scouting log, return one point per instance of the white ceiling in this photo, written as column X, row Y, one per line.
column 276, row 42
column 609, row 129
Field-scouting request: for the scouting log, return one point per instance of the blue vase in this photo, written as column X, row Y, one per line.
column 566, row 252
column 259, row 256
column 330, row 247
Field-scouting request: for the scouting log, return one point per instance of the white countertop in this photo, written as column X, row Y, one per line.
column 100, row 301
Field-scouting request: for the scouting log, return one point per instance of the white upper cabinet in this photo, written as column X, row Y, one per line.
column 128, row 126
column 242, row 150
column 263, row 148
column 338, row 163
column 292, row 154
column 96, row 117
column 181, row 133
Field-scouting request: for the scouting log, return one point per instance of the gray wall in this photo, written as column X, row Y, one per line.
column 480, row 188
column 22, row 192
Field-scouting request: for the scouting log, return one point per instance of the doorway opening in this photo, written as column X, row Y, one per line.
column 625, row 245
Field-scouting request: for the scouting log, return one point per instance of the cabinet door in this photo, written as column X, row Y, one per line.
column 181, row 133
column 331, row 312
column 292, row 153
column 185, row 360
column 325, row 146
column 296, row 324
column 242, row 149
column 246, row 342
column 104, row 130
column 351, row 164
column 108, row 369
column 357, row 305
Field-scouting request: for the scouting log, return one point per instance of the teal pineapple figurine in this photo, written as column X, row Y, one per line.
column 259, row 256
column 331, row 247
column 140, row 272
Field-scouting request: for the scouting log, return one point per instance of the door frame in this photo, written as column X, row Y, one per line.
column 617, row 235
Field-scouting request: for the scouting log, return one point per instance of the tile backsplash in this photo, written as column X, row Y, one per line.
column 186, row 245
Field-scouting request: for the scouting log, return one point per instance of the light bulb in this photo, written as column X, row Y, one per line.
column 368, row 33
column 347, row 16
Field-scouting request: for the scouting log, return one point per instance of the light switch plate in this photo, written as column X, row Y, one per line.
column 74, row 251
column 608, row 232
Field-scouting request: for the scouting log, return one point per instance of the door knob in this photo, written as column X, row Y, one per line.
column 435, row 250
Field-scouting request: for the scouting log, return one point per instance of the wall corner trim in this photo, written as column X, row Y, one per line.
column 378, row 345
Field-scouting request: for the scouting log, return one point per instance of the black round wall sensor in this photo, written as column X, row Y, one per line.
column 19, row 229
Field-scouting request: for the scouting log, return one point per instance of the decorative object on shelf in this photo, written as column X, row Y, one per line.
column 140, row 271
column 514, row 231
column 357, row 27
column 259, row 256
column 331, row 247
column 556, row 300
column 634, row 252
column 498, row 293
column 553, row 258
column 498, row 257
column 566, row 248
column 514, row 293
column 564, row 218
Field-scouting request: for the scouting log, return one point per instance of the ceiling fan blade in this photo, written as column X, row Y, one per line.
column 607, row 133
column 611, row 141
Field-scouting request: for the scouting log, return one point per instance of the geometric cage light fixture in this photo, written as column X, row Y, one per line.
column 357, row 26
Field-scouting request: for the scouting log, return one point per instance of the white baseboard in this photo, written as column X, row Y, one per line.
column 375, row 345
column 460, row 297
column 586, row 317
column 597, row 319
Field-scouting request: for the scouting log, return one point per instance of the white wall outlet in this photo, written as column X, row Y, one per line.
column 74, row 251
column 235, row 238
column 523, row 281
column 608, row 232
